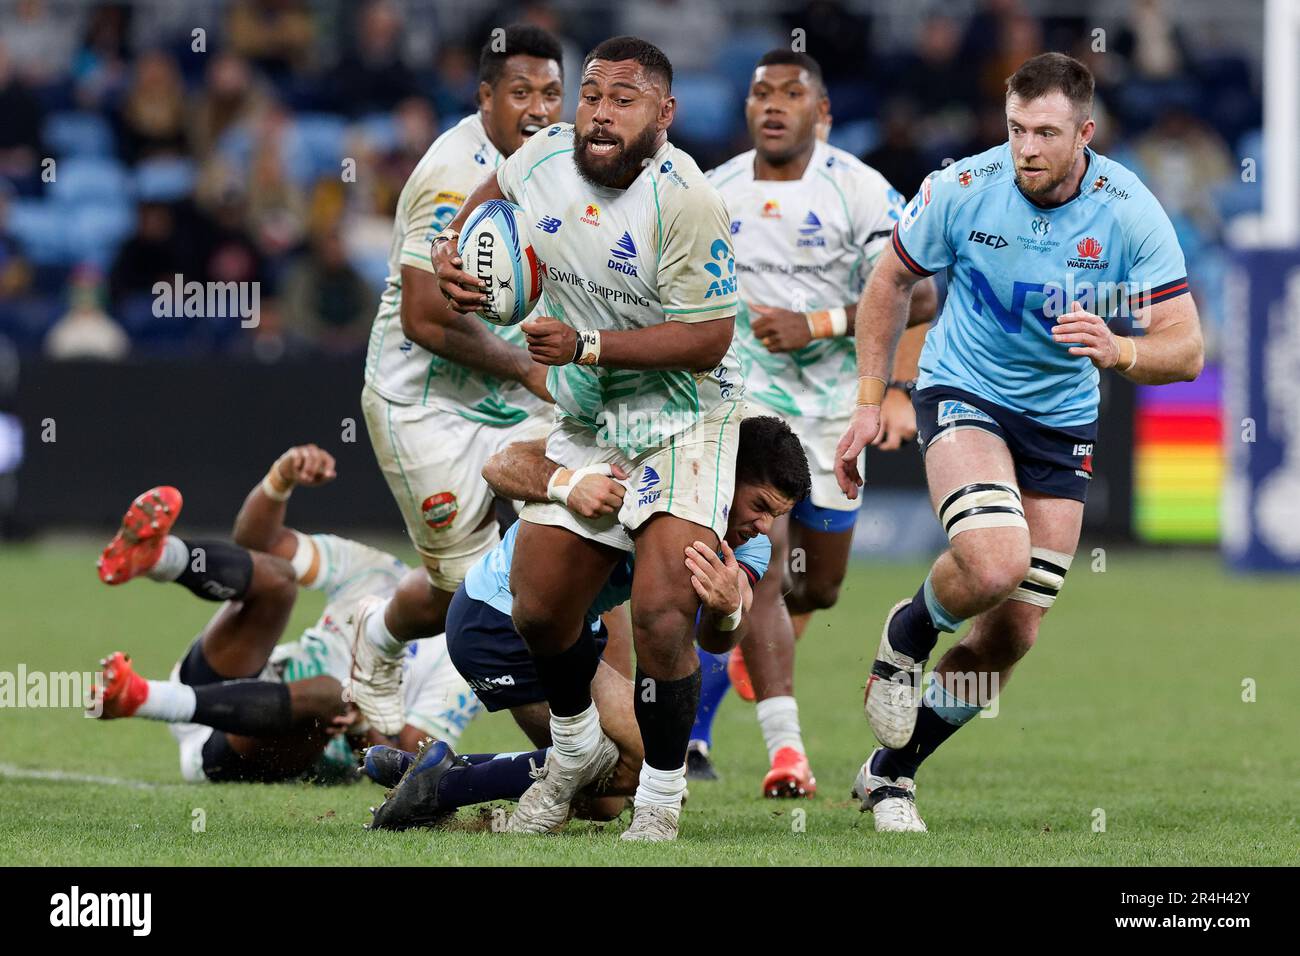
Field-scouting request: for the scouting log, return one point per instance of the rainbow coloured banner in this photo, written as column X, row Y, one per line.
column 1178, row 461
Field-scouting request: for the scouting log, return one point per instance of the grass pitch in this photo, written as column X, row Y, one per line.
column 1129, row 713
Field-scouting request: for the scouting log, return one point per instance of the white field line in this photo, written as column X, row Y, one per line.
column 61, row 776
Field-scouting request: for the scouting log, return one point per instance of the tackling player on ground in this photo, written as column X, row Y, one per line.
column 443, row 390
column 1041, row 237
column 636, row 318
column 241, row 705
column 808, row 221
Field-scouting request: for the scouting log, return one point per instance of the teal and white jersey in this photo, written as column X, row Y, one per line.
column 1014, row 268
column 396, row 367
column 622, row 259
column 805, row 244
column 489, row 580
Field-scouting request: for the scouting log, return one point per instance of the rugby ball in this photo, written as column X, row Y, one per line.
column 495, row 246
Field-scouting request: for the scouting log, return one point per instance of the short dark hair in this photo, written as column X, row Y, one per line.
column 633, row 48
column 1054, row 73
column 521, row 39
column 782, row 56
column 769, row 453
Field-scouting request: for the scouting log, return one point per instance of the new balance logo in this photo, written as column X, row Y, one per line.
column 549, row 224
column 621, row 255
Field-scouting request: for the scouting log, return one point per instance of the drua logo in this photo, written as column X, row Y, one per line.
column 621, row 256
column 723, row 270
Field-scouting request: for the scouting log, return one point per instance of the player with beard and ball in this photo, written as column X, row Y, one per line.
column 443, row 391
column 1043, row 240
column 808, row 221
column 636, row 320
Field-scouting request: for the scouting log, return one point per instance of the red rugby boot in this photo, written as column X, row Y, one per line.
column 139, row 542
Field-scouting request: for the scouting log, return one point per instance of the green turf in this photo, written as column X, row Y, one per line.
column 1131, row 704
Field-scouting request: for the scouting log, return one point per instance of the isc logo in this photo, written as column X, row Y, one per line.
column 988, row 239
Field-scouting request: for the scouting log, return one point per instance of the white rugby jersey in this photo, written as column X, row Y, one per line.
column 804, row 245
column 396, row 367
column 628, row 259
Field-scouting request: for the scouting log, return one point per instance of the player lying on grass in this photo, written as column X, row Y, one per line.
column 1041, row 237
column 771, row 475
column 241, row 705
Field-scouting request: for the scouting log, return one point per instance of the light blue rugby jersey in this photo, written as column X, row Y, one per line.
column 489, row 579
column 1013, row 266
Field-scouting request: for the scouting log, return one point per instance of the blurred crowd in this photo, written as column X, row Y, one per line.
column 267, row 140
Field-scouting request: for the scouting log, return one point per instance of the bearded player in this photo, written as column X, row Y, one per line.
column 443, row 390
column 636, row 321
column 242, row 705
column 808, row 221
column 1042, row 238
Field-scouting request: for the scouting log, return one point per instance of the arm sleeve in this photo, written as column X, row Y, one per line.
column 754, row 556
column 431, row 207
column 921, row 237
column 697, row 265
column 1158, row 270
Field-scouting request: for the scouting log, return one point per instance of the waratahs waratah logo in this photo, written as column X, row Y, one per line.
column 722, row 268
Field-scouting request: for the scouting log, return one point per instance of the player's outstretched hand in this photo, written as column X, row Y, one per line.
column 597, row 495
column 897, row 421
column 463, row 291
column 306, row 465
column 1088, row 335
column 780, row 330
column 863, row 428
column 719, row 582
column 550, row 341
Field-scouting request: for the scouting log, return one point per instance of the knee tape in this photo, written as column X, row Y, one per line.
column 982, row 504
column 1045, row 578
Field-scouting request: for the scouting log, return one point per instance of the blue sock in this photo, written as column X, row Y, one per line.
column 940, row 716
column 489, row 777
column 714, row 683
column 915, row 629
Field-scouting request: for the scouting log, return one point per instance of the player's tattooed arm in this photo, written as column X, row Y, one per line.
column 723, row 590
column 693, row 346
column 260, row 526
column 1172, row 350
column 522, row 472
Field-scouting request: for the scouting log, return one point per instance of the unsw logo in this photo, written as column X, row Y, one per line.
column 549, row 224
column 809, row 232
column 723, row 270
column 649, row 479
column 621, row 256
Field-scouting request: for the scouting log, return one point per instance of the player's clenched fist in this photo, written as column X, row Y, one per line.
column 780, row 330
column 863, row 428
column 1088, row 335
column 463, row 291
column 596, row 495
column 550, row 341
column 305, row 465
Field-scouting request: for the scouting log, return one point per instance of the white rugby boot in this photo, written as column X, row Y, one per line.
column 652, row 823
column 545, row 806
column 375, row 680
column 893, row 692
column 891, row 800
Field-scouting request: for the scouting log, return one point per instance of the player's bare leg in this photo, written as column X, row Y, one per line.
column 973, row 489
column 667, row 682
column 554, row 577
column 975, row 669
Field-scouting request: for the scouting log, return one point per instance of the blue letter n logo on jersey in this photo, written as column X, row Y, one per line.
column 549, row 224
column 649, row 478
column 1012, row 319
column 621, row 256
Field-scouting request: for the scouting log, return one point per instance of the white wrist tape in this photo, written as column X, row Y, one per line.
column 828, row 323
column 588, row 347
column 732, row 620
column 274, row 493
column 560, row 493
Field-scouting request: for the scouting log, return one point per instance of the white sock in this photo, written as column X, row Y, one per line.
column 379, row 636
column 661, row 788
column 574, row 738
column 171, row 562
column 168, row 700
column 778, row 718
